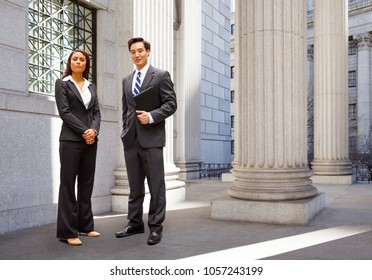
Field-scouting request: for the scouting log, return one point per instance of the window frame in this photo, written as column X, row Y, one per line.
column 352, row 78
column 57, row 27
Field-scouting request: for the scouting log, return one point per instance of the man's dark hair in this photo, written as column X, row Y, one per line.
column 139, row 39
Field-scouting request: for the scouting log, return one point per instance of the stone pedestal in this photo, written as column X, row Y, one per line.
column 227, row 177
column 120, row 192
column 290, row 212
column 175, row 191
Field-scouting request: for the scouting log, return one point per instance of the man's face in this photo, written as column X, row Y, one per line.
column 139, row 54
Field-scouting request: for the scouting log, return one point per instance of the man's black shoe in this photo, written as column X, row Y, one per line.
column 154, row 238
column 130, row 230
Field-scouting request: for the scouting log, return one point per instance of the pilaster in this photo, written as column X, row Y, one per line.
column 364, row 87
column 187, row 83
column 120, row 191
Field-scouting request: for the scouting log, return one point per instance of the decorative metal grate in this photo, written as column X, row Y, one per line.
column 213, row 170
column 56, row 27
column 363, row 173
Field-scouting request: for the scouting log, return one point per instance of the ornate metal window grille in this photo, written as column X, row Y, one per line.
column 352, row 79
column 352, row 112
column 352, row 47
column 56, row 27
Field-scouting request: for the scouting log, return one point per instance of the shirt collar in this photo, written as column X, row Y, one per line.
column 69, row 78
column 143, row 70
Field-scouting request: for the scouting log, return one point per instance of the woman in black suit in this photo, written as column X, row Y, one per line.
column 78, row 108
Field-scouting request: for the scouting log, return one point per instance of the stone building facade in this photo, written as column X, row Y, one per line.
column 189, row 38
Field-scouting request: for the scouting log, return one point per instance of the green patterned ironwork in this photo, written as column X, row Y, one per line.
column 56, row 27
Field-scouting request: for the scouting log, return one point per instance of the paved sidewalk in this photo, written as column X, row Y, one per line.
column 342, row 231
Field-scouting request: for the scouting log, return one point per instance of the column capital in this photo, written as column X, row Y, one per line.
column 363, row 40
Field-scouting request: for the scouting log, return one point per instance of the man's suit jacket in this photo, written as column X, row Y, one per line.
column 76, row 118
column 150, row 135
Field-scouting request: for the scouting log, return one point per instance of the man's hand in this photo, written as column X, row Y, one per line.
column 143, row 117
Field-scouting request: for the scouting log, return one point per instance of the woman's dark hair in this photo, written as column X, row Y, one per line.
column 68, row 70
column 139, row 39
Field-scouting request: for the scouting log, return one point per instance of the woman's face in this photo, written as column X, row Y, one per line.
column 78, row 62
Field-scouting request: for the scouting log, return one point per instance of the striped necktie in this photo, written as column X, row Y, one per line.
column 137, row 85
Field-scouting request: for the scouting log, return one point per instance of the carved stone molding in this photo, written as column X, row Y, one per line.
column 363, row 40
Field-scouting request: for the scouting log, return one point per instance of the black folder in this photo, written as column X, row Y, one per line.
column 148, row 100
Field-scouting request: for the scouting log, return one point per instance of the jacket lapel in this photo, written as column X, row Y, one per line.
column 128, row 86
column 148, row 78
column 94, row 95
column 75, row 91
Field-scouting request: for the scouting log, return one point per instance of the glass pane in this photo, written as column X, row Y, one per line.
column 56, row 27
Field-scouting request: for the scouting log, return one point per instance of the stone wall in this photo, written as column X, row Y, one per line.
column 30, row 125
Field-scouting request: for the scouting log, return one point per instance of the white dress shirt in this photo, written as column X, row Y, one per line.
column 143, row 74
column 85, row 93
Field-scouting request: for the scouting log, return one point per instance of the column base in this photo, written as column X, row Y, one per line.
column 119, row 203
column 291, row 212
column 227, row 177
column 333, row 180
column 332, row 167
column 188, row 170
column 175, row 190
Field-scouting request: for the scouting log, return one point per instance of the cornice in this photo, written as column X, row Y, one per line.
column 354, row 9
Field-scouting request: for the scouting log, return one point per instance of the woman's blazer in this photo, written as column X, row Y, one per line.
column 76, row 118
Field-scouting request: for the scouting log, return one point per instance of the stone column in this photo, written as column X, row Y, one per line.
column 155, row 24
column 331, row 163
column 120, row 191
column 272, row 174
column 364, row 87
column 188, row 79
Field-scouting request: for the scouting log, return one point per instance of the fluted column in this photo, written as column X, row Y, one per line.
column 155, row 23
column 331, row 128
column 364, row 87
column 188, row 79
column 270, row 167
column 152, row 20
column 271, row 134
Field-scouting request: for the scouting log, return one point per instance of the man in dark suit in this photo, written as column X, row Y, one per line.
column 143, row 137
